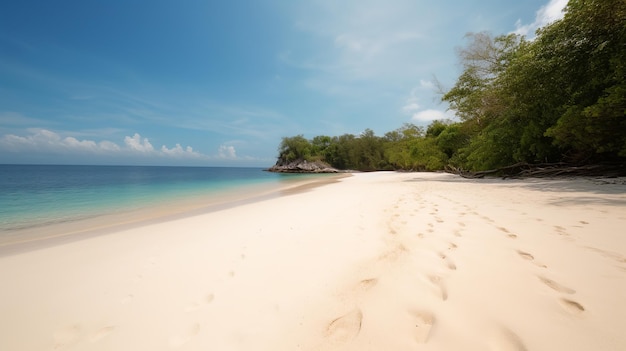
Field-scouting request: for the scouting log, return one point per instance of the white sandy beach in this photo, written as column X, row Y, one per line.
column 376, row 261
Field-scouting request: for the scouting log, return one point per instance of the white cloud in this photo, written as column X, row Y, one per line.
column 227, row 152
column 49, row 142
column 412, row 107
column 547, row 14
column 137, row 143
column 109, row 146
column 179, row 151
column 87, row 145
column 431, row 115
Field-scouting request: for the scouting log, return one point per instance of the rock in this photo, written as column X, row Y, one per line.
column 302, row 166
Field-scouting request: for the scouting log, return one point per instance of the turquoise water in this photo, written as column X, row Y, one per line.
column 35, row 195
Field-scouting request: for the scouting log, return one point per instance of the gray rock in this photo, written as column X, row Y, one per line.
column 302, row 166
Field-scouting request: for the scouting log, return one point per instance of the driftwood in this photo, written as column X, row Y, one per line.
column 527, row 170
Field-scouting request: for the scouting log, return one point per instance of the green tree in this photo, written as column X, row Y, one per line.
column 481, row 102
column 475, row 95
column 397, row 146
column 320, row 145
column 426, row 155
column 452, row 138
column 589, row 47
column 369, row 152
column 340, row 153
column 294, row 148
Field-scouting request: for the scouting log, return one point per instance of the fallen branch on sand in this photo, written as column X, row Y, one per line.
column 526, row 170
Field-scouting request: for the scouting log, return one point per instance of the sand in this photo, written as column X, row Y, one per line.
column 376, row 261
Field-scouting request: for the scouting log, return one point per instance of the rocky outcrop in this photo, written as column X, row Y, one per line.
column 303, row 166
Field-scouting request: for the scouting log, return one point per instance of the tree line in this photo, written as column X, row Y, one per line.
column 558, row 98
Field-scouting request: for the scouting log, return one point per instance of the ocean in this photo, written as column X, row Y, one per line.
column 37, row 195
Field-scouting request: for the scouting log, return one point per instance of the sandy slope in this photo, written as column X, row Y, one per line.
column 378, row 261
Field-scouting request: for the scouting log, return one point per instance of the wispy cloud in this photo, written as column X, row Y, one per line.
column 10, row 118
column 411, row 105
column 547, row 14
column 248, row 122
column 362, row 40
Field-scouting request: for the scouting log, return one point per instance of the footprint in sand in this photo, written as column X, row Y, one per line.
column 424, row 322
column 529, row 257
column 572, row 306
column 525, row 255
column 346, row 327
column 505, row 340
column 367, row 284
column 66, row 337
column 436, row 280
column 503, row 229
column 608, row 254
column 487, row 219
column 102, row 333
column 181, row 339
column 449, row 264
column 511, row 236
column 556, row 286
column 394, row 254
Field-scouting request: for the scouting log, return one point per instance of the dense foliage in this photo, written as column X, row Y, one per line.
column 560, row 97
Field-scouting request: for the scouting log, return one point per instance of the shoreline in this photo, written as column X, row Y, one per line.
column 50, row 234
column 385, row 260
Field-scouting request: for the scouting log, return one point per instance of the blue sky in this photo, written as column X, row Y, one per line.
column 218, row 83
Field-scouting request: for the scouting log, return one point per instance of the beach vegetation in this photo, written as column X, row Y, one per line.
column 557, row 98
